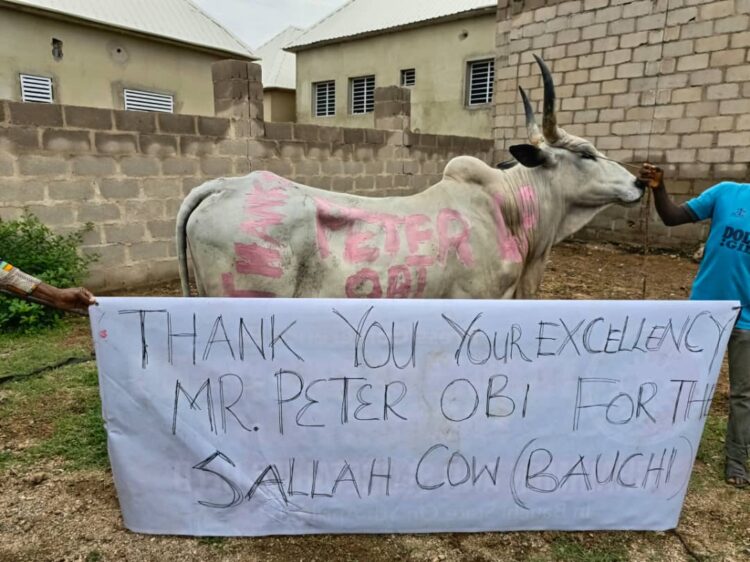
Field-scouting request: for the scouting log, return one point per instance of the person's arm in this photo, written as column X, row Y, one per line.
column 15, row 281
column 74, row 298
column 670, row 213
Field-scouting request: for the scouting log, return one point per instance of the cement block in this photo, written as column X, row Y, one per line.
column 14, row 191
column 87, row 117
column 161, row 146
column 179, row 166
column 115, row 188
column 176, row 124
column 141, row 121
column 71, row 190
column 33, row 165
column 53, row 215
column 93, row 165
column 129, row 233
column 115, row 143
column 41, row 114
column 140, row 166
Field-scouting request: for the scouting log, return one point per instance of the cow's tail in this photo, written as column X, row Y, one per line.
column 191, row 202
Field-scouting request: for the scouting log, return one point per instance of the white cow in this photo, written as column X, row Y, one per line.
column 481, row 232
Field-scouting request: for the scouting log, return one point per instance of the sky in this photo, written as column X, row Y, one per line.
column 256, row 21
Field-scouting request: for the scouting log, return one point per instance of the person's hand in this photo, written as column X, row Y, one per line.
column 77, row 298
column 651, row 176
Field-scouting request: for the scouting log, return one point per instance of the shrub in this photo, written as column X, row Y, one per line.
column 31, row 246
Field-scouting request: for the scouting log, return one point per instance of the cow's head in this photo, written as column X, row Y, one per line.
column 571, row 163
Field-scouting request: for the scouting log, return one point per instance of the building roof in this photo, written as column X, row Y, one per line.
column 279, row 68
column 173, row 20
column 360, row 18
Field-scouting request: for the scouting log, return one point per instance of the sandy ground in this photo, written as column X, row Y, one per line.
column 48, row 513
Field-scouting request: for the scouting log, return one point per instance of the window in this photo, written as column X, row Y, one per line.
column 481, row 77
column 362, row 94
column 140, row 100
column 408, row 77
column 36, row 88
column 324, row 98
column 57, row 52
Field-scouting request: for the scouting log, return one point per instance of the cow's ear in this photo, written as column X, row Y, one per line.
column 528, row 155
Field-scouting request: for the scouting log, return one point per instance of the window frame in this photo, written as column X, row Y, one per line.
column 328, row 101
column 126, row 91
column 25, row 83
column 490, row 87
column 371, row 103
column 404, row 74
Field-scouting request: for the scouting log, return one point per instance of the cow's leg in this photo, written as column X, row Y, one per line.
column 531, row 278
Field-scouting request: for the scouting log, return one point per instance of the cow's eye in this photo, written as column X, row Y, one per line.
column 588, row 156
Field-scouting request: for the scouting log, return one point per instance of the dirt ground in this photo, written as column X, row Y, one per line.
column 50, row 512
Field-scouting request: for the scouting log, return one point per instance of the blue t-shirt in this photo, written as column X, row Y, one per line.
column 724, row 272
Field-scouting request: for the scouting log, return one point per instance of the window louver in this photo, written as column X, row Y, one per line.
column 324, row 98
column 481, row 81
column 36, row 89
column 140, row 100
column 363, row 94
column 408, row 77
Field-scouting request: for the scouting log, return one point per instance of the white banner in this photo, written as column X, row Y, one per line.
column 293, row 416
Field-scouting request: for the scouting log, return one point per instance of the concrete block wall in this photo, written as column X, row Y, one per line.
column 392, row 108
column 127, row 172
column 666, row 81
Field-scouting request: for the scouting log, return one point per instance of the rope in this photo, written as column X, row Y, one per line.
column 646, row 207
column 645, row 242
column 510, row 132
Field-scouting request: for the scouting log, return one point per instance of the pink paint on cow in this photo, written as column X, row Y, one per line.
column 354, row 282
column 421, row 263
column 325, row 219
column 227, row 282
column 414, row 236
column 259, row 208
column 390, row 224
column 529, row 208
column 355, row 252
column 399, row 282
column 257, row 260
column 334, row 217
column 458, row 241
column 506, row 243
column 515, row 247
column 331, row 217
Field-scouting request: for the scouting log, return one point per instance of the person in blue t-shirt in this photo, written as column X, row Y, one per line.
column 724, row 274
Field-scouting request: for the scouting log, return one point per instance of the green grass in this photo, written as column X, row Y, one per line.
column 24, row 353
column 602, row 548
column 79, row 439
column 61, row 412
column 94, row 556
column 711, row 451
column 57, row 409
column 214, row 542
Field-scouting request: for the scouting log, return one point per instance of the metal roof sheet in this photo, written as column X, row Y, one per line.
column 366, row 17
column 177, row 20
column 279, row 66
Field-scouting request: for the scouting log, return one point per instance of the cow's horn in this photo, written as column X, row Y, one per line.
column 535, row 135
column 549, row 121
